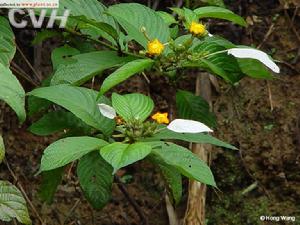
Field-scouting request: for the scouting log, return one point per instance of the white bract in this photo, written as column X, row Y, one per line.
column 188, row 126
column 248, row 53
column 107, row 111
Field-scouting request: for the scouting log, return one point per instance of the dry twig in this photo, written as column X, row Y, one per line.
column 23, row 192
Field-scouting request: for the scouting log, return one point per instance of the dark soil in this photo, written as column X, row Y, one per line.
column 260, row 117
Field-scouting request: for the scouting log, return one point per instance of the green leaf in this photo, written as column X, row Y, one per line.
column 171, row 176
column 185, row 161
column 216, row 69
column 44, row 35
column 120, row 155
column 64, row 151
column 86, row 66
column 95, row 178
column 50, row 181
column 186, row 15
column 133, row 16
column 35, row 105
column 219, row 13
column 168, row 18
column 190, row 106
column 11, row 92
column 215, row 59
column 83, row 15
column 91, row 9
column 132, row 106
column 123, row 73
column 189, row 17
column 99, row 27
column 7, row 42
column 12, row 204
column 2, row 149
column 53, row 122
column 81, row 102
column 201, row 138
column 254, row 68
column 63, row 55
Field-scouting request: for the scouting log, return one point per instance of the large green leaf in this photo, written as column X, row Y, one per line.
column 63, row 55
column 95, row 178
column 103, row 29
column 12, row 204
column 254, row 68
column 7, row 42
column 82, row 102
column 120, row 155
column 185, row 161
column 83, row 16
column 215, row 69
column 171, row 176
column 133, row 17
column 53, row 122
column 124, row 73
column 132, row 106
column 50, row 181
column 167, row 17
column 66, row 150
column 190, row 106
column 219, row 13
column 86, row 66
column 11, row 91
column 91, row 9
column 214, row 58
column 201, row 138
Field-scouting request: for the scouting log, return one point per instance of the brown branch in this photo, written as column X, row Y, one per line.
column 270, row 96
column 291, row 24
column 23, row 191
column 71, row 211
column 136, row 207
column 16, row 69
column 270, row 31
column 38, row 76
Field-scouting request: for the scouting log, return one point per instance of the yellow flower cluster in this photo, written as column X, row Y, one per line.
column 161, row 118
column 197, row 29
column 155, row 47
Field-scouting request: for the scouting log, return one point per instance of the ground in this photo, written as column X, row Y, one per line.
column 259, row 117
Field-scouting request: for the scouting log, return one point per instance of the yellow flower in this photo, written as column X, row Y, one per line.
column 197, row 29
column 155, row 47
column 161, row 118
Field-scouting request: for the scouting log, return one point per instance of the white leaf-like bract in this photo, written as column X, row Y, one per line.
column 107, row 111
column 188, row 126
column 248, row 53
